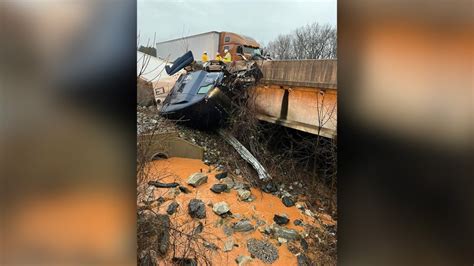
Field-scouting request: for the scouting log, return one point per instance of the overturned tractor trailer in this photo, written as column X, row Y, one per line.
column 211, row 42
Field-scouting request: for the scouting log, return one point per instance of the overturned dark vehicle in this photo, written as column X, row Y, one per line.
column 205, row 94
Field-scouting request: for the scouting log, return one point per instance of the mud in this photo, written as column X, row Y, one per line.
column 259, row 212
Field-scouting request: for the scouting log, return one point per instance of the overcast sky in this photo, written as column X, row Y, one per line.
column 260, row 19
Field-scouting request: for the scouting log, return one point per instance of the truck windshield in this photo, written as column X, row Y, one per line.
column 251, row 50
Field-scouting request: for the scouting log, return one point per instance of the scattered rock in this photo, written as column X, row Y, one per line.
column 287, row 233
column 221, row 175
column 280, row 220
column 184, row 189
column 303, row 260
column 270, row 188
column 228, row 181
column 228, row 231
column 309, row 213
column 301, row 205
column 298, row 222
column 265, row 229
column 210, row 245
column 243, row 226
column 221, row 208
column 282, row 240
column 262, row 250
column 197, row 209
column 244, row 194
column 243, row 260
column 198, row 229
column 304, row 244
column 162, row 185
column 288, row 202
column 172, row 208
column 197, row 179
column 237, row 171
column 260, row 222
column 228, row 245
column 219, row 188
column 243, row 186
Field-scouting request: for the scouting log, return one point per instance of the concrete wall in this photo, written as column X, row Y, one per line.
column 304, row 73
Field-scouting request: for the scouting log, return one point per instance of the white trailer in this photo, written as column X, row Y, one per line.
column 172, row 49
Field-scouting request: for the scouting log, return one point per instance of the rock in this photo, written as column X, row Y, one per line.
column 266, row 230
column 304, row 244
column 262, row 250
column 228, row 231
column 218, row 188
column 287, row 233
column 222, row 175
column 270, row 188
column 288, row 202
column 228, row 181
column 221, row 208
column 184, row 189
column 237, row 171
column 303, row 260
column 260, row 222
column 298, row 222
column 172, row 208
column 280, row 220
column 243, row 226
column 243, row 186
column 309, row 213
column 228, row 245
column 244, row 194
column 210, row 245
column 300, row 205
column 243, row 260
column 198, row 229
column 197, row 209
column 197, row 179
column 282, row 240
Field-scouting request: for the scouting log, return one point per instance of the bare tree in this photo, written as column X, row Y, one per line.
column 313, row 41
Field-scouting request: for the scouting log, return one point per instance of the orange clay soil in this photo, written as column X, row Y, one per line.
column 262, row 208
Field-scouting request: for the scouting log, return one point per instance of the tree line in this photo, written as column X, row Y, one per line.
column 313, row 41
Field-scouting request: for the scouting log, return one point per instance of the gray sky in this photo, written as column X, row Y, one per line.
column 260, row 19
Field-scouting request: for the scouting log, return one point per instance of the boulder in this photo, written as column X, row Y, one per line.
column 221, row 175
column 243, row 260
column 288, row 202
column 172, row 208
column 219, row 188
column 270, row 188
column 287, row 233
column 184, row 189
column 262, row 250
column 197, row 209
column 243, row 226
column 221, row 208
column 298, row 222
column 228, row 245
column 280, row 220
column 197, row 179
column 244, row 194
column 228, row 181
